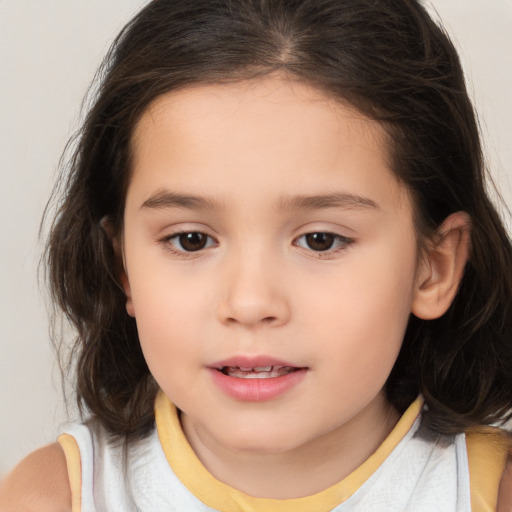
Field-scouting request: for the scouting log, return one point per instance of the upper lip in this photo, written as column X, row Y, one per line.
column 247, row 361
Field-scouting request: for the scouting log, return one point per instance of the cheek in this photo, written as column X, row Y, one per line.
column 162, row 295
column 167, row 314
column 367, row 294
column 364, row 314
column 169, row 343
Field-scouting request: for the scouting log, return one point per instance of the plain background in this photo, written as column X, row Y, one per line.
column 49, row 52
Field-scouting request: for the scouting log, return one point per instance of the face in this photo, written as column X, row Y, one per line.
column 270, row 262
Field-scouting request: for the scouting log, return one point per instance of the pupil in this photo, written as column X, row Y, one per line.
column 192, row 241
column 320, row 241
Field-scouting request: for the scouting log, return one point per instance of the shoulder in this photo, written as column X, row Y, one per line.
column 39, row 483
column 505, row 491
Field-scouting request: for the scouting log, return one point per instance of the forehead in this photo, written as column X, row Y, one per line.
column 251, row 104
column 290, row 135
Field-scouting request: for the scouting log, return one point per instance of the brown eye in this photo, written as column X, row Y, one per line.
column 320, row 241
column 191, row 241
column 323, row 241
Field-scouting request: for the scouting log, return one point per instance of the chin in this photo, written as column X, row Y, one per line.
column 266, row 442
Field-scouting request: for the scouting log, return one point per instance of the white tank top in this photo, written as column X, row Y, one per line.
column 406, row 473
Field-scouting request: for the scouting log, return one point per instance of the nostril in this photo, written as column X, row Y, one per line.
column 253, row 306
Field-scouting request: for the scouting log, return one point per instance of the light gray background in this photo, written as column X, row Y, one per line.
column 49, row 51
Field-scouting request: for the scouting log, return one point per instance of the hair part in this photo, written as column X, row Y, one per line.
column 390, row 61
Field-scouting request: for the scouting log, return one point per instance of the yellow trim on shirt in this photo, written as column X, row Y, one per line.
column 74, row 464
column 218, row 495
column 487, row 455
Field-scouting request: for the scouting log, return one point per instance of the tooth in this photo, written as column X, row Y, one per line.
column 258, row 372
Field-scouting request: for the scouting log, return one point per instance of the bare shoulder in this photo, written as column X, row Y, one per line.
column 38, row 483
column 505, row 492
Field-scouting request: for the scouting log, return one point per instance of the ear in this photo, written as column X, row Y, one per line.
column 442, row 268
column 120, row 271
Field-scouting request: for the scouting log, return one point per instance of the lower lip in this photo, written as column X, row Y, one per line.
column 256, row 390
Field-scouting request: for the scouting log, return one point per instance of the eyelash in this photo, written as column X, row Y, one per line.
column 183, row 253
column 342, row 243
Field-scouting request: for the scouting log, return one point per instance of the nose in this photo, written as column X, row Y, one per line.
column 253, row 292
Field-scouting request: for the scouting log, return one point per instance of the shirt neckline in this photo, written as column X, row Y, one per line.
column 218, row 495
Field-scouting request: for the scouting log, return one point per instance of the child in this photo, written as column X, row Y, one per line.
column 290, row 289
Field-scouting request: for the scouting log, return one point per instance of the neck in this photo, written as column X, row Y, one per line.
column 307, row 469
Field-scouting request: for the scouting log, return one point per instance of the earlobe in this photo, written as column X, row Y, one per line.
column 127, row 291
column 120, row 270
column 442, row 268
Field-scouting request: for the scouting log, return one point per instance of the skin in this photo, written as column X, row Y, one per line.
column 38, row 484
column 505, row 490
column 257, row 287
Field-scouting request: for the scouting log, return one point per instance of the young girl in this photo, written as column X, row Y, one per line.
column 290, row 289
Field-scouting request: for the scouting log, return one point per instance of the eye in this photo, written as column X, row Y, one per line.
column 323, row 241
column 190, row 241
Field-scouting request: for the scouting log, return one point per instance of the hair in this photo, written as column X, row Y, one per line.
column 389, row 60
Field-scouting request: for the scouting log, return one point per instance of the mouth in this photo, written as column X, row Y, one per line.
column 257, row 372
column 256, row 378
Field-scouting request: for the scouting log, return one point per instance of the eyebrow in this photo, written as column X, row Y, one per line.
column 166, row 199
column 333, row 200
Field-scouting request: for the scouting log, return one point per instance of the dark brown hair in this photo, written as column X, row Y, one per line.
column 394, row 64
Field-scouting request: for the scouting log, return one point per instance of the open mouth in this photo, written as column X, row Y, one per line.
column 257, row 378
column 257, row 372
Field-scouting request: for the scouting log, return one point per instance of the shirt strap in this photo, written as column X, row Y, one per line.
column 488, row 448
column 73, row 461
